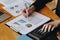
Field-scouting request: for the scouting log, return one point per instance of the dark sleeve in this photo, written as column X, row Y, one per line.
column 58, row 8
column 40, row 4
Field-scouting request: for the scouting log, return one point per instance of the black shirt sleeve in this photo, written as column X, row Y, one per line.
column 40, row 4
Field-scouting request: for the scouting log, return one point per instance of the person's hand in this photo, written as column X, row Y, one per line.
column 30, row 11
column 50, row 26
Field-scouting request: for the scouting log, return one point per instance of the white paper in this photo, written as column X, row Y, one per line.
column 7, row 2
column 15, row 11
column 21, row 25
column 21, row 4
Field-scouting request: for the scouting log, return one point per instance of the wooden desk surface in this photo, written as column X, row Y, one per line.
column 8, row 34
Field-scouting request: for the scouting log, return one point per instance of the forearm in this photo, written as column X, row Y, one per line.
column 38, row 4
column 57, row 21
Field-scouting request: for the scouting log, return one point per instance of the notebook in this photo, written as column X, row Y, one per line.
column 3, row 16
column 24, row 26
column 24, row 37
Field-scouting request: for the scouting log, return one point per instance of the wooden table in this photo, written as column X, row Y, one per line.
column 8, row 34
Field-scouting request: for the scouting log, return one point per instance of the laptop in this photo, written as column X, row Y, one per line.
column 37, row 34
column 3, row 16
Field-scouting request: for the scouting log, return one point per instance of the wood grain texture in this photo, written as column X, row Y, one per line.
column 5, row 32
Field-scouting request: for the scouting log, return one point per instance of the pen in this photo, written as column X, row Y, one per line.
column 27, row 6
column 27, row 14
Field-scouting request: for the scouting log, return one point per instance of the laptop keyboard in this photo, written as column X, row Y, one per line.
column 37, row 34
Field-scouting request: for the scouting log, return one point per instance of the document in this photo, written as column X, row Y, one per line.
column 24, row 26
column 7, row 2
column 15, row 7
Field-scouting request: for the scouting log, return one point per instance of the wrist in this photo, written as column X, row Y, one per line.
column 32, row 7
column 57, row 21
